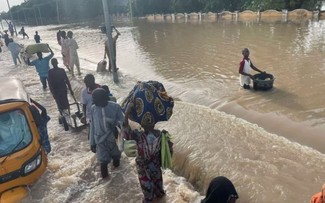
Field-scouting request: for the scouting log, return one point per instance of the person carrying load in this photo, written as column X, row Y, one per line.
column 148, row 104
column 42, row 65
column 245, row 67
column 107, row 50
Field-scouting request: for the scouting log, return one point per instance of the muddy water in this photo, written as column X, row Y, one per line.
column 265, row 142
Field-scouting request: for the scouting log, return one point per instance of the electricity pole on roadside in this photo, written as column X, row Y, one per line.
column 57, row 11
column 110, row 40
column 1, row 23
column 35, row 15
column 12, row 21
column 131, row 9
column 40, row 16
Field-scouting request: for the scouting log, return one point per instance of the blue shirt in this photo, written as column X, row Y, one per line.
column 42, row 65
column 14, row 48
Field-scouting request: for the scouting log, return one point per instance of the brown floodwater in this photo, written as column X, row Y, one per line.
column 269, row 143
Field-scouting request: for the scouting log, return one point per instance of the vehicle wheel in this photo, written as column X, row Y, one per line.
column 65, row 124
column 60, row 120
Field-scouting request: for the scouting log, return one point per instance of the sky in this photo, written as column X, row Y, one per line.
column 4, row 5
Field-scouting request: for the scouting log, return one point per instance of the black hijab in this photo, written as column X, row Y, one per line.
column 219, row 191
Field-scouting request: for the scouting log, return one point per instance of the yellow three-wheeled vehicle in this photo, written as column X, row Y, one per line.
column 22, row 158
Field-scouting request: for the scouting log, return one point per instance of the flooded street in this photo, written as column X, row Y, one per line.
column 270, row 144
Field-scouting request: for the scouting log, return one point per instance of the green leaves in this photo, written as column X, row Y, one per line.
column 86, row 9
column 166, row 157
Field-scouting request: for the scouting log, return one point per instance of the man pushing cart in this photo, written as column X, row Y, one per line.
column 59, row 84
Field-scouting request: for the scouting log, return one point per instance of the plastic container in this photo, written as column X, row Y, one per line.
column 263, row 81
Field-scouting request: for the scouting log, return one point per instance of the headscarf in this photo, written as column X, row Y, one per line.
column 151, row 102
column 220, row 190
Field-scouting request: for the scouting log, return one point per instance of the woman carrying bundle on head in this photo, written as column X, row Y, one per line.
column 147, row 105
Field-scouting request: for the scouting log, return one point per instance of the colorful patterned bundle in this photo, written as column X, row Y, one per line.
column 151, row 102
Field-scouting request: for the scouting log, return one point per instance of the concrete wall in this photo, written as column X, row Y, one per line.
column 247, row 15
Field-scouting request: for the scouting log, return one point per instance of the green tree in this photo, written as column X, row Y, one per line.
column 282, row 4
column 73, row 10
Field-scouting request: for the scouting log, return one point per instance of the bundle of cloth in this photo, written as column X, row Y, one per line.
column 151, row 102
column 31, row 49
column 101, row 66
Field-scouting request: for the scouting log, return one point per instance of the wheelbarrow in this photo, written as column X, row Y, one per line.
column 72, row 120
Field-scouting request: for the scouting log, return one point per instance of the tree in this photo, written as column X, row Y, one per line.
column 74, row 10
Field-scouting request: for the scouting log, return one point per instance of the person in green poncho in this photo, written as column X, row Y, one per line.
column 148, row 160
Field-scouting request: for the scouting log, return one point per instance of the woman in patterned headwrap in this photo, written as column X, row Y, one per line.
column 147, row 110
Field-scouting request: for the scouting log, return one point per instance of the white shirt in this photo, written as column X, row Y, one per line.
column 86, row 99
column 244, row 79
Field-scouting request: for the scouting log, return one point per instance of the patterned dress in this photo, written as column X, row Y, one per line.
column 148, row 162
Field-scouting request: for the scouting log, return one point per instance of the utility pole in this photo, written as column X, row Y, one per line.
column 110, row 40
column 131, row 9
column 25, row 16
column 40, row 16
column 35, row 16
column 12, row 21
column 57, row 11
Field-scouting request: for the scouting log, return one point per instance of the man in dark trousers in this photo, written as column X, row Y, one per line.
column 6, row 38
column 37, row 38
column 58, row 83
column 42, row 66
column 22, row 31
column 58, row 37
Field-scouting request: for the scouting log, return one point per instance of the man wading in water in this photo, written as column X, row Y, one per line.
column 105, row 116
column 42, row 66
column 107, row 51
column 58, row 83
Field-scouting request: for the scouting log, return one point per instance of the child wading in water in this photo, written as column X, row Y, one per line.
column 148, row 160
column 245, row 68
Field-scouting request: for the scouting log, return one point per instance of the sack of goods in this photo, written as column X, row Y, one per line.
column 151, row 103
column 101, row 66
column 34, row 48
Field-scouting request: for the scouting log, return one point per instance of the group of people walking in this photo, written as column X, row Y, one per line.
column 104, row 116
column 15, row 48
column 69, row 52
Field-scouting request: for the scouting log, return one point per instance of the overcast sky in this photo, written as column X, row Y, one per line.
column 4, row 5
